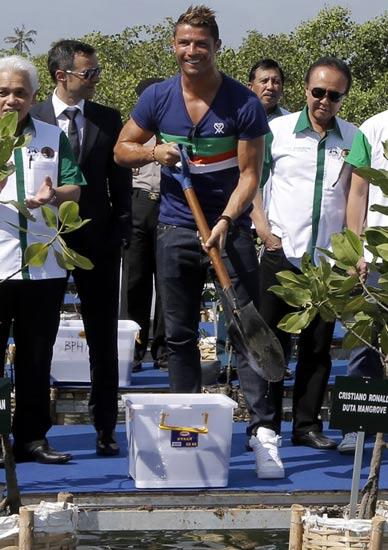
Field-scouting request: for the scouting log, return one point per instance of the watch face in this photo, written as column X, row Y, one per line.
column 47, row 152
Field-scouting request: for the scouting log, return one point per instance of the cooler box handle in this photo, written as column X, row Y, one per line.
column 201, row 430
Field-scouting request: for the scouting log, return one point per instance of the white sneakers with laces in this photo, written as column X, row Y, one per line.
column 265, row 445
column 348, row 443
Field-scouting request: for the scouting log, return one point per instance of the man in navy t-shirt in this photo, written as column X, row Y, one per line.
column 222, row 124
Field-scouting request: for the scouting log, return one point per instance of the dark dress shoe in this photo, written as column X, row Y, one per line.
column 137, row 366
column 161, row 363
column 106, row 444
column 314, row 439
column 40, row 451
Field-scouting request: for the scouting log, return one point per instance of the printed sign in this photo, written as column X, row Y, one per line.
column 183, row 439
column 5, row 406
column 360, row 404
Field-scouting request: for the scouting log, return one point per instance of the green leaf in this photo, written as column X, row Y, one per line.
column 379, row 208
column 62, row 262
column 345, row 254
column 324, row 269
column 384, row 340
column 348, row 284
column 296, row 322
column 376, row 235
column 361, row 328
column 22, row 209
column 75, row 226
column 326, row 252
column 76, row 259
column 376, row 177
column 6, row 147
column 326, row 313
column 6, row 170
column 296, row 297
column 306, row 265
column 355, row 242
column 9, row 124
column 285, row 277
column 359, row 303
column 49, row 217
column 35, row 255
column 382, row 249
column 383, row 281
column 22, row 141
column 68, row 212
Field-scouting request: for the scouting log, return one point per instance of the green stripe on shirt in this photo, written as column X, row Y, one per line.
column 203, row 146
column 361, row 152
column 21, row 194
column 267, row 161
column 318, row 193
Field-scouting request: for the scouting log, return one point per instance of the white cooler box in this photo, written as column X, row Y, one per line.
column 179, row 440
column 70, row 361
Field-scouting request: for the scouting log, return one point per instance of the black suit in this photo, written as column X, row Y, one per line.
column 107, row 201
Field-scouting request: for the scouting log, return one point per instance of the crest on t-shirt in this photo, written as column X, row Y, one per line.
column 219, row 127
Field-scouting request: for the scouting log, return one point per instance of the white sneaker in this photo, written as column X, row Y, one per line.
column 265, row 446
column 348, row 443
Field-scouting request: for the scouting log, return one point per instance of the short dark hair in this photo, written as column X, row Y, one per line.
column 199, row 16
column 333, row 62
column 61, row 55
column 265, row 63
column 143, row 84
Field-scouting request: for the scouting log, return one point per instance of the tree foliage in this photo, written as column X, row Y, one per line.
column 145, row 51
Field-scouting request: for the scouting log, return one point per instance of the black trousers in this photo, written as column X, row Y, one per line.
column 98, row 290
column 139, row 275
column 33, row 307
column 314, row 361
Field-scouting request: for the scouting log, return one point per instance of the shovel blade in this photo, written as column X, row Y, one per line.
column 252, row 337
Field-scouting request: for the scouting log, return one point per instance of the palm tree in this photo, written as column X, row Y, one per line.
column 21, row 40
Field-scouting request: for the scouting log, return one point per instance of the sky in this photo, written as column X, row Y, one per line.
column 54, row 20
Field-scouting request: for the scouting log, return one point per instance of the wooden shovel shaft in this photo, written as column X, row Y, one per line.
column 204, row 231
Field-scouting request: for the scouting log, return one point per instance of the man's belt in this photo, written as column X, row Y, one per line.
column 151, row 195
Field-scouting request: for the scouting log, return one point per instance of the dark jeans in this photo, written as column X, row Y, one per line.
column 33, row 307
column 182, row 268
column 139, row 273
column 98, row 291
column 314, row 361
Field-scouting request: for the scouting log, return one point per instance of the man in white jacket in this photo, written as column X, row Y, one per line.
column 30, row 297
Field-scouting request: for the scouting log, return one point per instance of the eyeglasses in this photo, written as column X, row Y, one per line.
column 320, row 93
column 88, row 74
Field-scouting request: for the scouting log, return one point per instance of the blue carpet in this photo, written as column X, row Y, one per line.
column 149, row 377
column 306, row 469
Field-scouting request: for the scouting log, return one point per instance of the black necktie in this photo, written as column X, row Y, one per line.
column 72, row 133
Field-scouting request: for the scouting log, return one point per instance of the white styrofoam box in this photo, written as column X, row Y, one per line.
column 70, row 361
column 166, row 457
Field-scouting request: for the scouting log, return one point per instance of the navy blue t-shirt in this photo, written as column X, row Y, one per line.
column 235, row 114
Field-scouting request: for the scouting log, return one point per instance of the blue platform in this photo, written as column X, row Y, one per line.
column 306, row 469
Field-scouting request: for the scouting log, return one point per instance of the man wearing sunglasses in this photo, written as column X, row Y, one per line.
column 92, row 130
column 309, row 186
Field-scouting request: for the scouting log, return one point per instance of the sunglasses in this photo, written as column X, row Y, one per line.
column 320, row 93
column 88, row 74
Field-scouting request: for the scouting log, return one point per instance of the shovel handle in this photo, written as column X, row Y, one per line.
column 204, row 231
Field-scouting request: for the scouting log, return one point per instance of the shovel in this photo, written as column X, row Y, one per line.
column 249, row 333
